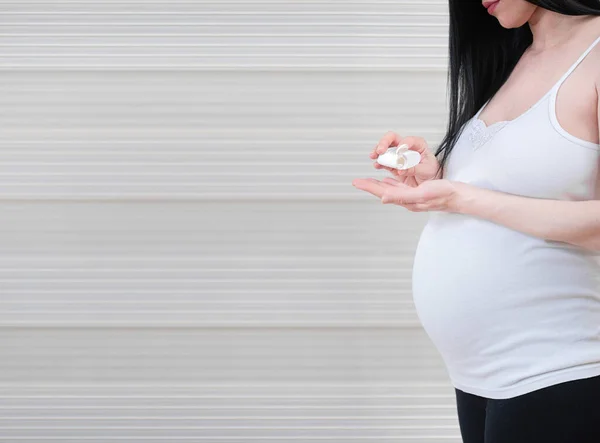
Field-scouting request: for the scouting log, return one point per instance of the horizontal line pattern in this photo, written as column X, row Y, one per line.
column 190, row 265
column 182, row 256
column 256, row 385
column 209, row 35
column 201, row 136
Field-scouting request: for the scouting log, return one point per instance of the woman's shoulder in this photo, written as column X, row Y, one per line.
column 591, row 66
column 595, row 34
column 594, row 57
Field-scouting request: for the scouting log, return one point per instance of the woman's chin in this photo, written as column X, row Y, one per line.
column 514, row 17
column 510, row 22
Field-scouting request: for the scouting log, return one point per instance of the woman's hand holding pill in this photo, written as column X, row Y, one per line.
column 427, row 169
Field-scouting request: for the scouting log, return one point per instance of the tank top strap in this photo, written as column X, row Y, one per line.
column 576, row 64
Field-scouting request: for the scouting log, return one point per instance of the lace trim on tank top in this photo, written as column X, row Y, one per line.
column 480, row 133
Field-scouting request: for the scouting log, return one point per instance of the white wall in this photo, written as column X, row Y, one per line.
column 182, row 256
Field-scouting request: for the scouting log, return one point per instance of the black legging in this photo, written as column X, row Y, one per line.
column 564, row 413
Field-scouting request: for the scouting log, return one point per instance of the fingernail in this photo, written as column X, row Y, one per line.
column 385, row 200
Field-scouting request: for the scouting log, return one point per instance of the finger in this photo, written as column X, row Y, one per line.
column 402, row 195
column 406, row 175
column 382, row 183
column 394, row 171
column 378, row 166
column 369, row 185
column 388, row 140
column 373, row 154
column 391, row 181
column 410, row 172
column 380, row 186
column 418, row 144
column 414, row 207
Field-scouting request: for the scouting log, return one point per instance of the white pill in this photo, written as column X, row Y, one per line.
column 399, row 158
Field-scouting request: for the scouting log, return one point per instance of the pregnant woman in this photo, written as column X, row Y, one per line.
column 505, row 281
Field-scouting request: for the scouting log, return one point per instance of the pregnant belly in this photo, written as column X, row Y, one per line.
column 483, row 291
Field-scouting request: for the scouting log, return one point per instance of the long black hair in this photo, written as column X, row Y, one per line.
column 483, row 54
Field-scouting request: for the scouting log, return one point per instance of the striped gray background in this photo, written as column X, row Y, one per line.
column 182, row 256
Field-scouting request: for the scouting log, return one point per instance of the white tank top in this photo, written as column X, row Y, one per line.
column 511, row 313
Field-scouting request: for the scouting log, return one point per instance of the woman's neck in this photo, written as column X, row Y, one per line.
column 551, row 29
